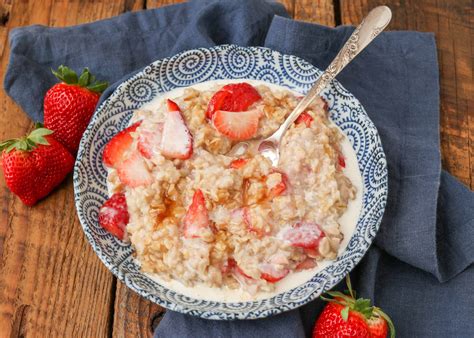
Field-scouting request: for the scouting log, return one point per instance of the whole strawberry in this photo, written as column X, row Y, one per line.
column 69, row 105
column 346, row 316
column 34, row 165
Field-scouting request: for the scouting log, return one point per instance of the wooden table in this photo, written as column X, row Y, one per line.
column 52, row 283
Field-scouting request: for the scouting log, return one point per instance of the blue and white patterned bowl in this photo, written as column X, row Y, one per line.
column 226, row 62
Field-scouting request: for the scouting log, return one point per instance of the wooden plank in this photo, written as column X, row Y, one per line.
column 51, row 282
column 317, row 11
column 159, row 3
column 134, row 315
column 290, row 6
column 451, row 21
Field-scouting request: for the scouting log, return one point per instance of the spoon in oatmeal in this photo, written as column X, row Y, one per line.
column 372, row 25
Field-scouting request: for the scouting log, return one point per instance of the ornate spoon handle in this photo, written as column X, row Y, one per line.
column 369, row 28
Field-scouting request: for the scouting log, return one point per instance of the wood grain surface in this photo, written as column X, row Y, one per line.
column 51, row 282
column 452, row 23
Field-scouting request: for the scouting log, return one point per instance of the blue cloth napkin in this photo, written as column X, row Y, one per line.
column 420, row 269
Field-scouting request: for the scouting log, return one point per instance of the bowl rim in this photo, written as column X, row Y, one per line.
column 234, row 311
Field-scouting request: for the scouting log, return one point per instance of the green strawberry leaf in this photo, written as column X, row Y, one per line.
column 37, row 140
column 31, row 143
column 65, row 74
column 10, row 148
column 337, row 294
column 364, row 307
column 40, row 132
column 22, row 144
column 84, row 78
column 98, row 86
column 345, row 313
column 37, row 136
column 6, row 144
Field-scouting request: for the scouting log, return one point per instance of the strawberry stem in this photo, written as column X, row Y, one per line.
column 349, row 285
column 86, row 79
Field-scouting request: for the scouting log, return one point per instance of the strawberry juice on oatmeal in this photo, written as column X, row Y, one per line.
column 223, row 228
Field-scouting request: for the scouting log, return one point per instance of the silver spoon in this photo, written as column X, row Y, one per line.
column 374, row 23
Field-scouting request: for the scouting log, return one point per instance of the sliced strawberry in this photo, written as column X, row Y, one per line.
column 272, row 273
column 149, row 141
column 243, row 95
column 240, row 271
column 172, row 106
column 133, row 172
column 281, row 187
column 118, row 145
column 235, row 97
column 341, row 160
column 177, row 141
column 196, row 218
column 238, row 163
column 247, row 216
column 304, row 118
column 303, row 235
column 308, row 263
column 311, row 252
column 228, row 266
column 231, row 267
column 236, row 126
column 113, row 215
column 222, row 100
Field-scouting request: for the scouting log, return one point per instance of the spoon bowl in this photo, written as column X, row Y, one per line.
column 372, row 25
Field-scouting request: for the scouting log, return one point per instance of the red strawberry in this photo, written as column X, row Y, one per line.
column 228, row 266
column 196, row 218
column 378, row 327
column 238, row 163
column 133, row 172
column 272, row 273
column 281, row 187
column 172, row 106
column 231, row 267
column 149, row 141
column 303, row 235
column 241, row 272
column 114, row 150
column 236, row 126
column 176, row 141
column 308, row 263
column 113, row 215
column 341, row 161
column 304, row 118
column 247, row 216
column 235, row 97
column 346, row 316
column 69, row 105
column 311, row 252
column 34, row 165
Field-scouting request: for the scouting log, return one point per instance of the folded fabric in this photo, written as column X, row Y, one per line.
column 420, row 268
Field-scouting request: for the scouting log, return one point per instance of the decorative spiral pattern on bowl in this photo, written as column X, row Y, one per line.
column 220, row 63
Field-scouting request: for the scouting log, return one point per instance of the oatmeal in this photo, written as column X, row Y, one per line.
column 200, row 217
